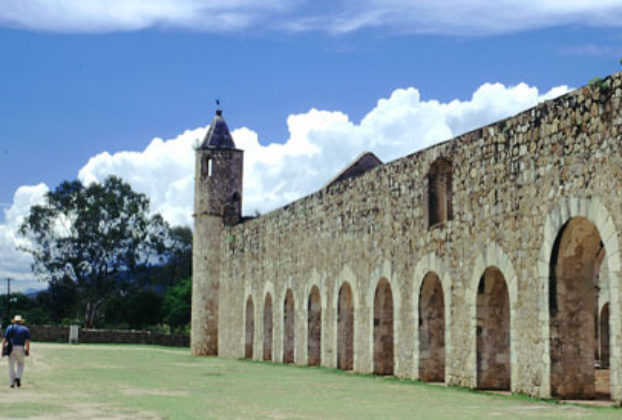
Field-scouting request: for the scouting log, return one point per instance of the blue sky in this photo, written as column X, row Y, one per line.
column 85, row 87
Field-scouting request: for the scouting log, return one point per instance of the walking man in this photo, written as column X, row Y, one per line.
column 19, row 336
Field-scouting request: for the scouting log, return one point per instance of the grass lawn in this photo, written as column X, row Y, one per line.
column 131, row 381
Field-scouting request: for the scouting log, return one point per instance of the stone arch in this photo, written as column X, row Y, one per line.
column 440, row 196
column 492, row 256
column 573, row 279
column 431, row 263
column 289, row 316
column 431, row 329
column 314, row 327
column 284, row 287
column 267, row 328
column 385, row 271
column 249, row 328
column 493, row 331
column 384, row 357
column 257, row 316
column 343, row 318
column 596, row 213
column 345, row 327
column 315, row 280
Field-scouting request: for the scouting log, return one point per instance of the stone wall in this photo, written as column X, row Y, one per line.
column 60, row 333
column 53, row 333
column 513, row 185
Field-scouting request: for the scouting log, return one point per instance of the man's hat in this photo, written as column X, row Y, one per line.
column 17, row 318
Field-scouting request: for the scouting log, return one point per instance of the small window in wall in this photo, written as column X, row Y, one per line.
column 439, row 192
column 206, row 167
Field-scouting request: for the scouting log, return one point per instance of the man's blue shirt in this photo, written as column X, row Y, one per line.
column 18, row 334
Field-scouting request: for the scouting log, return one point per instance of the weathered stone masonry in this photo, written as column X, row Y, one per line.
column 485, row 261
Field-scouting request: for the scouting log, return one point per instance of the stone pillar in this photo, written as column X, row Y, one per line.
column 74, row 331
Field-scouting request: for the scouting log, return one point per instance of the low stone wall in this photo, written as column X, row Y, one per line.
column 60, row 333
column 54, row 333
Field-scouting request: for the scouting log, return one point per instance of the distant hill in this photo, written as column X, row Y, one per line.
column 33, row 292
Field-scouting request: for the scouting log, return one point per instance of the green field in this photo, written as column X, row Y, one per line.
column 127, row 381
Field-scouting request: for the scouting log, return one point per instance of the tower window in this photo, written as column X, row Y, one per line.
column 439, row 192
column 206, row 166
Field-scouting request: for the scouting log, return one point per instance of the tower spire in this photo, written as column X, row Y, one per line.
column 218, row 134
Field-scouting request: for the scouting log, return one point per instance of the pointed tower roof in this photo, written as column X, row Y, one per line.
column 218, row 135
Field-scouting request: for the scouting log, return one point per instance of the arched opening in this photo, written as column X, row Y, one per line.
column 236, row 202
column 288, row 327
column 249, row 336
column 383, row 329
column 439, row 192
column 604, row 337
column 345, row 329
column 314, row 328
column 267, row 328
column 232, row 209
column 493, row 331
column 431, row 330
column 573, row 294
column 602, row 378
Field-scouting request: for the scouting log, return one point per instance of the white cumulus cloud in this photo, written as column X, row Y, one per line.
column 319, row 145
column 473, row 17
column 163, row 171
column 13, row 263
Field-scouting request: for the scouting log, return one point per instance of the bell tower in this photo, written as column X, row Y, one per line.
column 217, row 203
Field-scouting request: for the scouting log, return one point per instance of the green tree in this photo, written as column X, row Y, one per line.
column 177, row 304
column 136, row 310
column 19, row 303
column 60, row 300
column 100, row 236
column 179, row 263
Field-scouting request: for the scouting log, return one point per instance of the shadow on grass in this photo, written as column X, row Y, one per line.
column 437, row 386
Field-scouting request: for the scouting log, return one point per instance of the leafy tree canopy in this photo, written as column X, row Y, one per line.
column 100, row 236
column 176, row 305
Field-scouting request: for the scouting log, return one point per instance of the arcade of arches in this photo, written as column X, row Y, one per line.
column 492, row 260
column 579, row 323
